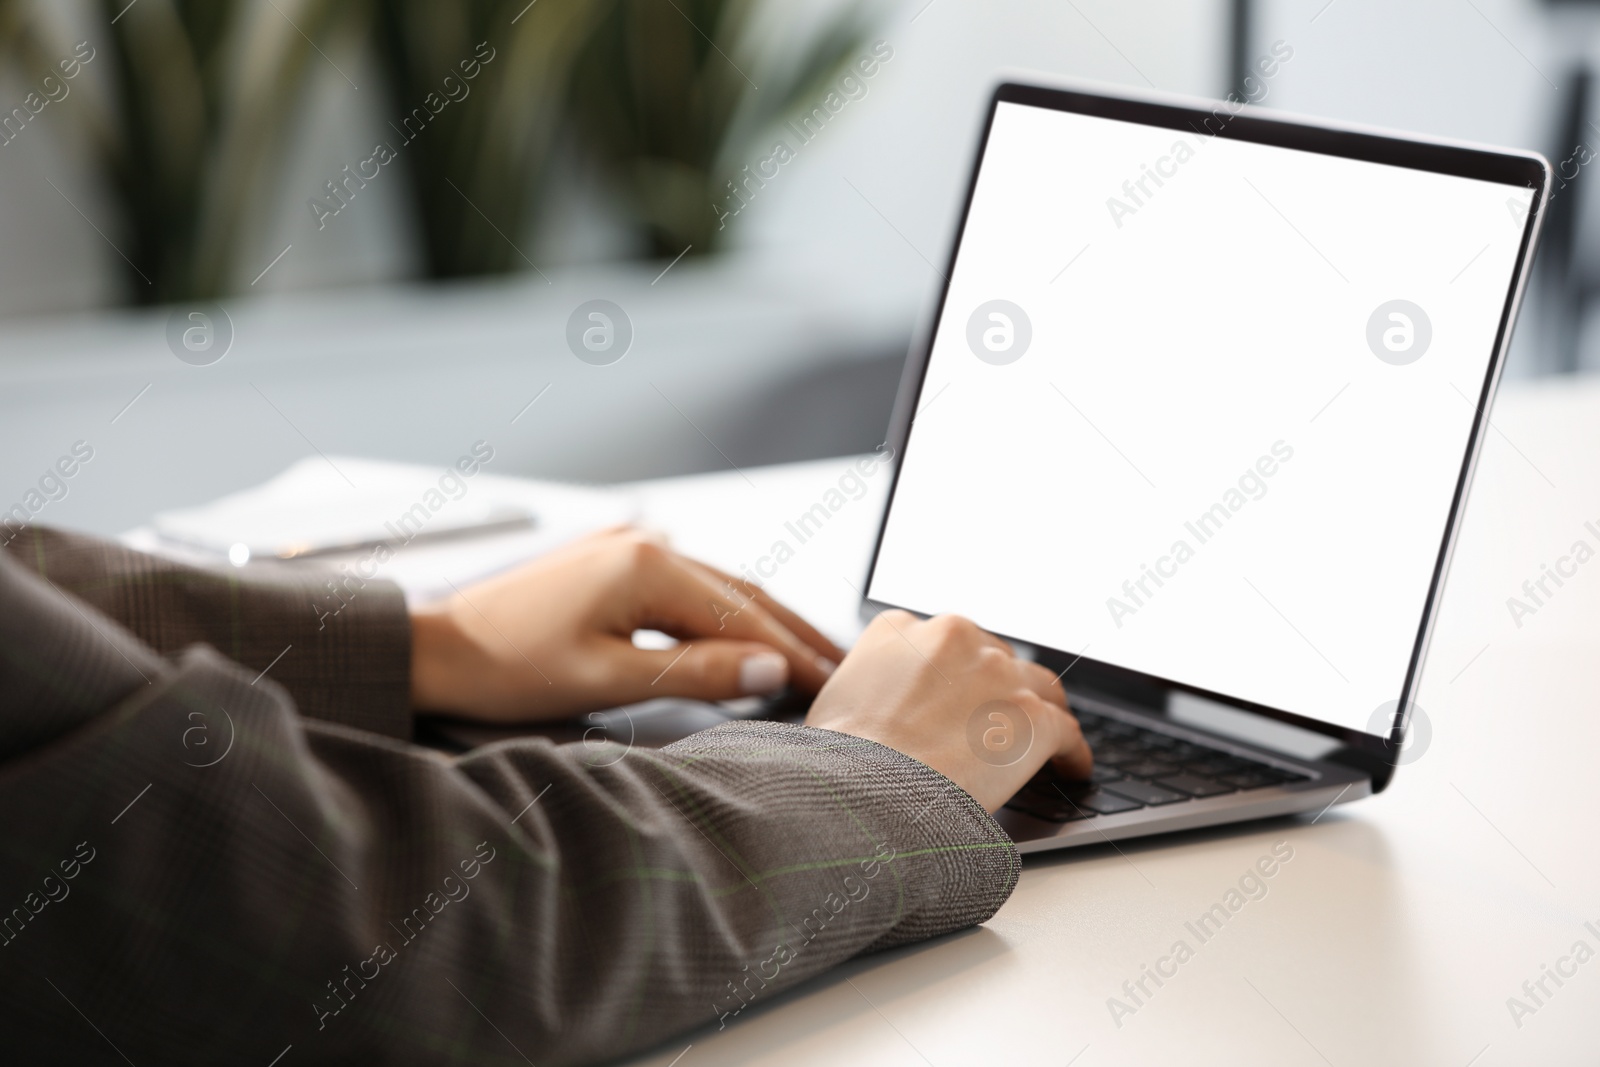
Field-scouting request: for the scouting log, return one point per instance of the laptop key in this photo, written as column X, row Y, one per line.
column 1051, row 808
column 1195, row 785
column 1254, row 779
column 1219, row 765
column 1056, row 799
column 1149, row 768
column 1145, row 793
column 1102, row 773
column 1102, row 802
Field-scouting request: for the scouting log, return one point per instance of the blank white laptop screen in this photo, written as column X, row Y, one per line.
column 1197, row 407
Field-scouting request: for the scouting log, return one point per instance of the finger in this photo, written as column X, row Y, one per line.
column 687, row 602
column 886, row 622
column 971, row 631
column 700, row 670
column 1072, row 756
column 1051, row 742
column 1043, row 680
column 796, row 625
column 998, row 642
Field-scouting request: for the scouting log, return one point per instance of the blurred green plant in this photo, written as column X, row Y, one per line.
column 198, row 97
column 672, row 98
column 647, row 87
column 474, row 174
column 187, row 116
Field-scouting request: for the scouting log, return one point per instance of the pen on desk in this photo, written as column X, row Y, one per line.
column 502, row 524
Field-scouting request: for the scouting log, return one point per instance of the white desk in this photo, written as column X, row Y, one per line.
column 1402, row 924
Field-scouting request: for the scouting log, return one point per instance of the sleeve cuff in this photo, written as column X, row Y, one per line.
column 953, row 861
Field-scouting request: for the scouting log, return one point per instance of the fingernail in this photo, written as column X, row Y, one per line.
column 826, row 665
column 764, row 672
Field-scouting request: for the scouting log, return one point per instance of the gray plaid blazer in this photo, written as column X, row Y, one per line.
column 220, row 845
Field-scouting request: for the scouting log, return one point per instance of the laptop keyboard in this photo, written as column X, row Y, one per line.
column 1138, row 768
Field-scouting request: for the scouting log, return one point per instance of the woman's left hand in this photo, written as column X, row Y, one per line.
column 554, row 637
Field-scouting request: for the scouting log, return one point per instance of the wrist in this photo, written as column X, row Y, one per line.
column 437, row 644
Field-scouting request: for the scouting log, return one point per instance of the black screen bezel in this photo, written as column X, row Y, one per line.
column 1230, row 119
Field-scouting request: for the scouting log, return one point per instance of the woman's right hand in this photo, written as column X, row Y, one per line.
column 956, row 698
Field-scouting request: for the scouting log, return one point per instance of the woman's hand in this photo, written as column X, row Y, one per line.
column 956, row 698
column 554, row 637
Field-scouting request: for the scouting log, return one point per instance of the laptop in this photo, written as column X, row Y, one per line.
column 1193, row 424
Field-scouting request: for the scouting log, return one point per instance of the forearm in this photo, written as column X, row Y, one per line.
column 360, row 899
column 698, row 880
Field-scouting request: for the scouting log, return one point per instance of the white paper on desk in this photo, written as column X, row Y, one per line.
column 317, row 505
column 312, row 505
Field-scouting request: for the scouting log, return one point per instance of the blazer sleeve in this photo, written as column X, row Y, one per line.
column 194, row 873
column 343, row 653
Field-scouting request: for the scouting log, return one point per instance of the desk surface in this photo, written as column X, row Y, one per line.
column 1395, row 934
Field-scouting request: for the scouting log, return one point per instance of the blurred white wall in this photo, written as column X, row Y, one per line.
column 1446, row 67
